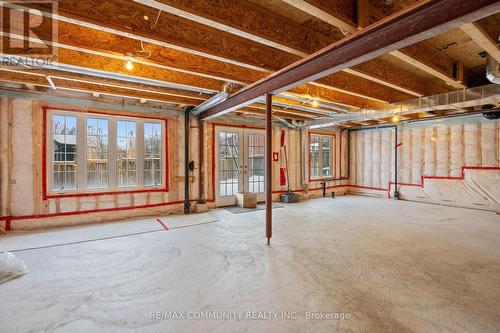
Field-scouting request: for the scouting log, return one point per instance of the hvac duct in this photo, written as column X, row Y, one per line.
column 459, row 99
column 214, row 100
column 492, row 72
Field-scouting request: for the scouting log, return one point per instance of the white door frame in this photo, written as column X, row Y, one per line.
column 243, row 133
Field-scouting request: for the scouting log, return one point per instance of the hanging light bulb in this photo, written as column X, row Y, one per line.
column 315, row 103
column 395, row 119
column 129, row 65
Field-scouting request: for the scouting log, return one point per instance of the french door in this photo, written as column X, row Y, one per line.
column 239, row 163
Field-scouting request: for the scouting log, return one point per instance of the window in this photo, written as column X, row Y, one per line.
column 114, row 153
column 64, row 132
column 97, row 153
column 152, row 154
column 126, row 163
column 321, row 156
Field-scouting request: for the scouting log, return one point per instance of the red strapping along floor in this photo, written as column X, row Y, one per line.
column 162, row 224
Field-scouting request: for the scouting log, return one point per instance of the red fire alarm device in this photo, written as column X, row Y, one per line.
column 276, row 156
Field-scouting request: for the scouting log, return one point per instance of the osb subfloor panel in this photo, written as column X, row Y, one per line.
column 391, row 266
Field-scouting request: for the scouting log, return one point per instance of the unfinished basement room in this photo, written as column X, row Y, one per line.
column 250, row 166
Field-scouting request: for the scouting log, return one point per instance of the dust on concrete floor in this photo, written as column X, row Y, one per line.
column 392, row 266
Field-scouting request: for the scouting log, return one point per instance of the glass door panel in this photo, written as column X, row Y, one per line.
column 239, row 164
column 229, row 180
column 255, row 162
column 229, row 163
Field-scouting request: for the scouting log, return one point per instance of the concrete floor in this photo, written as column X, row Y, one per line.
column 388, row 266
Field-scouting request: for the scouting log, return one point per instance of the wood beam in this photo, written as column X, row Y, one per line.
column 195, row 38
column 127, row 18
column 85, row 39
column 289, row 109
column 277, row 31
column 41, row 81
column 418, row 63
column 336, row 13
column 111, row 83
column 365, row 87
column 116, row 64
column 481, row 37
column 363, row 13
column 430, row 61
column 394, row 32
column 287, row 105
column 262, row 112
column 312, row 90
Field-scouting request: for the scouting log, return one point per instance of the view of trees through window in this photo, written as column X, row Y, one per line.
column 126, row 172
column 136, row 162
column 152, row 154
column 64, row 131
column 320, row 156
column 97, row 153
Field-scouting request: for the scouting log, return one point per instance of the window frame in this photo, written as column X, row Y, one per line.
column 81, row 176
column 333, row 159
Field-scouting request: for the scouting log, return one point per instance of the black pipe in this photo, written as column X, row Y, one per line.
column 348, row 154
column 187, row 203
column 396, row 193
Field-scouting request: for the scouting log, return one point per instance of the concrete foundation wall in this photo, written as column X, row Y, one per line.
column 455, row 162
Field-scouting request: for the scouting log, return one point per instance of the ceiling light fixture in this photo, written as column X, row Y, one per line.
column 129, row 65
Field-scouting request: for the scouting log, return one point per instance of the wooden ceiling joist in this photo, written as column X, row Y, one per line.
column 94, row 40
column 336, row 13
column 63, row 84
column 114, row 64
column 262, row 113
column 101, row 81
column 430, row 61
column 199, row 39
column 481, row 37
column 246, row 20
column 314, row 90
column 392, row 33
column 286, row 111
column 274, row 30
column 127, row 17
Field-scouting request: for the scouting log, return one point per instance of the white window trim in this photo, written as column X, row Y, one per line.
column 81, row 153
column 320, row 151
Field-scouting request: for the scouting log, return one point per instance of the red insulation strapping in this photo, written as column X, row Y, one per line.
column 162, row 224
